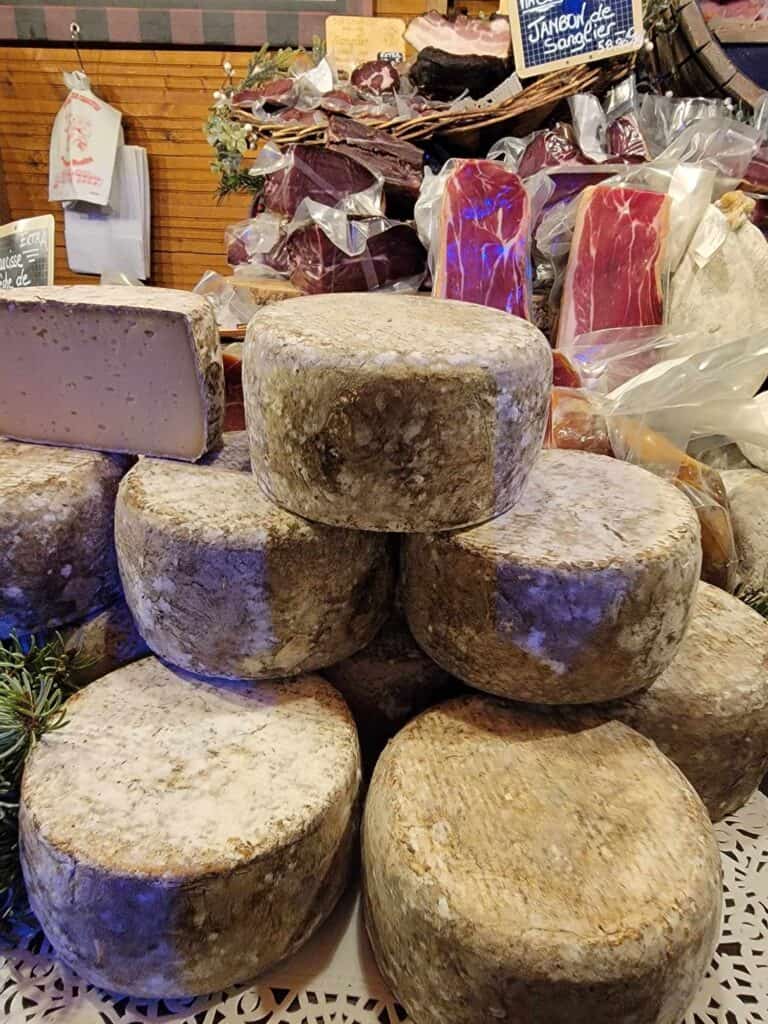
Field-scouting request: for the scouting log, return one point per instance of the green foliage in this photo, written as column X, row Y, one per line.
column 35, row 680
column 232, row 138
column 757, row 599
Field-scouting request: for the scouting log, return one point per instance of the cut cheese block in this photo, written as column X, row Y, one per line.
column 394, row 412
column 582, row 592
column 179, row 836
column 518, row 867
column 57, row 553
column 387, row 683
column 748, row 498
column 708, row 712
column 222, row 582
column 112, row 368
column 104, row 642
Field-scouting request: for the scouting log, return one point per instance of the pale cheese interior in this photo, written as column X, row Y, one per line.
column 122, row 380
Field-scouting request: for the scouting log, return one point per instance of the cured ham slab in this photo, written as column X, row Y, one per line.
column 483, row 247
column 614, row 273
column 461, row 35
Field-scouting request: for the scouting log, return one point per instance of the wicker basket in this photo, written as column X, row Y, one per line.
column 691, row 62
column 542, row 94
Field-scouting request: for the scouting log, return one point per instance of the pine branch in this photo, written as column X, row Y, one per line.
column 35, row 680
column 754, row 597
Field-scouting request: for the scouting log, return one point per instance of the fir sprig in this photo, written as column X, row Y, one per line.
column 755, row 597
column 35, row 680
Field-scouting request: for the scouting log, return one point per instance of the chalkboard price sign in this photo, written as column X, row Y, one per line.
column 27, row 252
column 552, row 34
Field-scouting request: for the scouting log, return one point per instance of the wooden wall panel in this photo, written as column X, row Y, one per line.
column 164, row 97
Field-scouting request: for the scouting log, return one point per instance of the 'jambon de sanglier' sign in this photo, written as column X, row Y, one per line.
column 552, row 34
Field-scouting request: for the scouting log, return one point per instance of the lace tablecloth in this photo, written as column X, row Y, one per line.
column 333, row 980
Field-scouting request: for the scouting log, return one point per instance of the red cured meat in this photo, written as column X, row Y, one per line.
column 625, row 140
column 279, row 92
column 314, row 173
column 376, row 77
column 317, row 266
column 614, row 273
column 756, row 175
column 551, row 148
column 564, row 373
column 483, row 248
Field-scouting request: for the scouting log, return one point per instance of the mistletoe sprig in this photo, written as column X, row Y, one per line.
column 35, row 681
column 232, row 138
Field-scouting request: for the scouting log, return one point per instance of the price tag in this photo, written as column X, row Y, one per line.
column 352, row 41
column 27, row 252
column 548, row 35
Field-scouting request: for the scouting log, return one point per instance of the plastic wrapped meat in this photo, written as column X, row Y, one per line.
column 314, row 172
column 617, row 258
column 756, row 175
column 280, row 92
column 552, row 147
column 337, row 102
column 576, row 422
column 296, row 115
column 399, row 163
column 375, row 78
column 482, row 251
column 625, row 141
column 460, row 35
column 315, row 265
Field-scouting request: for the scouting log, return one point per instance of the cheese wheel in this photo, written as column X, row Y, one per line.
column 179, row 836
column 747, row 491
column 708, row 712
column 102, row 643
column 519, row 867
column 57, row 553
column 582, row 592
column 387, row 683
column 394, row 412
column 222, row 582
column 119, row 369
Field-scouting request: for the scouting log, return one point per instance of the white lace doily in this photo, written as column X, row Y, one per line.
column 333, row 980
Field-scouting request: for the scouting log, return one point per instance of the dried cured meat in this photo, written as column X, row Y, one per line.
column 462, row 35
column 445, row 76
column 618, row 252
column 314, row 173
column 551, row 148
column 483, row 241
column 316, row 265
column 399, row 163
column 376, row 77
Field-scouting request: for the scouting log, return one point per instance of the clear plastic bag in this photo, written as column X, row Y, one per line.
column 324, row 250
column 582, row 421
column 232, row 306
column 663, row 118
column 590, row 126
column 624, row 137
column 720, row 144
column 319, row 174
column 249, row 240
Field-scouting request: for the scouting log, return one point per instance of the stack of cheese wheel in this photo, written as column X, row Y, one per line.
column 532, row 848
